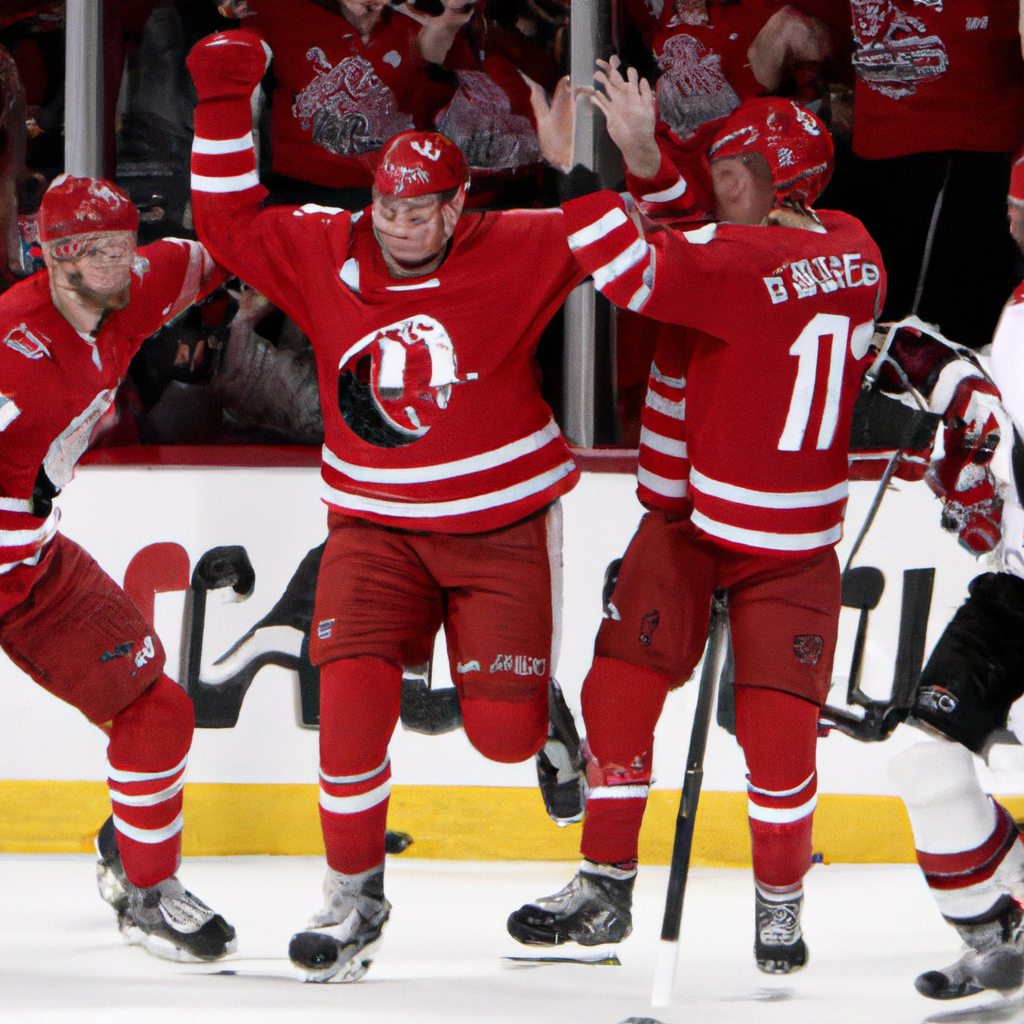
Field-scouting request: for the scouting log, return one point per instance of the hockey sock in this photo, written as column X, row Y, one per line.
column 778, row 733
column 621, row 706
column 967, row 844
column 360, row 700
column 507, row 731
column 149, row 742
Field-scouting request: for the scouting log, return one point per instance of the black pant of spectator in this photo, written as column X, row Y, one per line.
column 973, row 265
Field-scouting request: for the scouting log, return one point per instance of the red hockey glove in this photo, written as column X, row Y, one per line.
column 961, row 478
column 228, row 65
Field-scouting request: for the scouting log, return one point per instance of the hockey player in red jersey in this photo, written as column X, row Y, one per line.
column 67, row 335
column 779, row 302
column 441, row 463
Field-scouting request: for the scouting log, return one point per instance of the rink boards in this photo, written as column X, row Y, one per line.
column 252, row 789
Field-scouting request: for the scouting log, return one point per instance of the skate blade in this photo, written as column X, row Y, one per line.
column 164, row 949
column 596, row 960
column 279, row 969
column 348, row 970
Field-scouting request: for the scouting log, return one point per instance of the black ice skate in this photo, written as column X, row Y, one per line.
column 592, row 909
column 341, row 940
column 993, row 958
column 165, row 919
column 779, row 947
column 560, row 766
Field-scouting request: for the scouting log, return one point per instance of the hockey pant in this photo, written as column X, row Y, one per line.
column 777, row 731
column 149, row 743
column 967, row 844
column 360, row 701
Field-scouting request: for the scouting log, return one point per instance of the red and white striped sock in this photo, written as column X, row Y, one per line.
column 353, row 816
column 149, row 742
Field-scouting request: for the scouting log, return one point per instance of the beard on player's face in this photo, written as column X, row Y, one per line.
column 103, row 290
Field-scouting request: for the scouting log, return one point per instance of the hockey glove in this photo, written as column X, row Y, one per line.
column 961, row 478
column 228, row 65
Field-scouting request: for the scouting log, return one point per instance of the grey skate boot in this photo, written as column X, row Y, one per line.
column 340, row 942
column 993, row 958
column 560, row 763
column 779, row 947
column 594, row 908
column 165, row 919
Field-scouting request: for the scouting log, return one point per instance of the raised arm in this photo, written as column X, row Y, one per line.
column 265, row 248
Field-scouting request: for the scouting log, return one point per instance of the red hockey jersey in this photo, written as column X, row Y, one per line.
column 937, row 76
column 781, row 321
column 55, row 385
column 338, row 98
column 432, row 415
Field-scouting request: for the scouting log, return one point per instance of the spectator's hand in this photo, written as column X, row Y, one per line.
column 439, row 31
column 554, row 121
column 788, row 37
column 228, row 64
column 628, row 107
column 235, row 9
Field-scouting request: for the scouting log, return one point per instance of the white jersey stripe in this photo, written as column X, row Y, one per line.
column 639, row 298
column 768, row 499
column 629, row 257
column 768, row 541
column 446, row 470
column 228, row 183
column 675, row 410
column 15, row 505
column 19, row 538
column 660, row 484
column 357, row 803
column 458, row 507
column 32, row 560
column 149, row 835
column 665, row 445
column 596, row 231
column 116, row 775
column 661, row 378
column 668, row 194
column 781, row 815
column 214, row 147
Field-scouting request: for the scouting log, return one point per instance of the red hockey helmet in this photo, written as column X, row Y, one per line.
column 419, row 164
column 795, row 143
column 1016, row 195
column 84, row 206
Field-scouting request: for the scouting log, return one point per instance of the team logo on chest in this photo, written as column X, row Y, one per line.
column 29, row 344
column 395, row 382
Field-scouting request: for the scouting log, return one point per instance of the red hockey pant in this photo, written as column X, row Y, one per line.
column 78, row 634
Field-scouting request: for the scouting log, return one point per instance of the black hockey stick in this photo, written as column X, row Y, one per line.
column 714, row 653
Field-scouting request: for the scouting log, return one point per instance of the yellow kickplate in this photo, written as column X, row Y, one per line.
column 446, row 822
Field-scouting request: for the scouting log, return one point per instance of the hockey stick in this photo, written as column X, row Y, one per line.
column 665, row 967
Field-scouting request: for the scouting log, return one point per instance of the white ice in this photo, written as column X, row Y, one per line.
column 870, row 929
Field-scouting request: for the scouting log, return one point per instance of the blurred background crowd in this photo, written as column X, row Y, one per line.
column 925, row 100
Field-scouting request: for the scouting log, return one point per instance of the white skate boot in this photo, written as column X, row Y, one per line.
column 340, row 941
column 165, row 919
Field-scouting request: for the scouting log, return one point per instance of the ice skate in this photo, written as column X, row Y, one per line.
column 165, row 919
column 592, row 909
column 779, row 947
column 341, row 941
column 993, row 958
column 560, row 763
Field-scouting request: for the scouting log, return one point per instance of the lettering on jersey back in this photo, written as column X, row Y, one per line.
column 824, row 274
column 28, row 343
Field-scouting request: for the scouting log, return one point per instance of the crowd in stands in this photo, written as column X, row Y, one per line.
column 925, row 102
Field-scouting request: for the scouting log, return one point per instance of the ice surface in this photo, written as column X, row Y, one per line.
column 870, row 929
